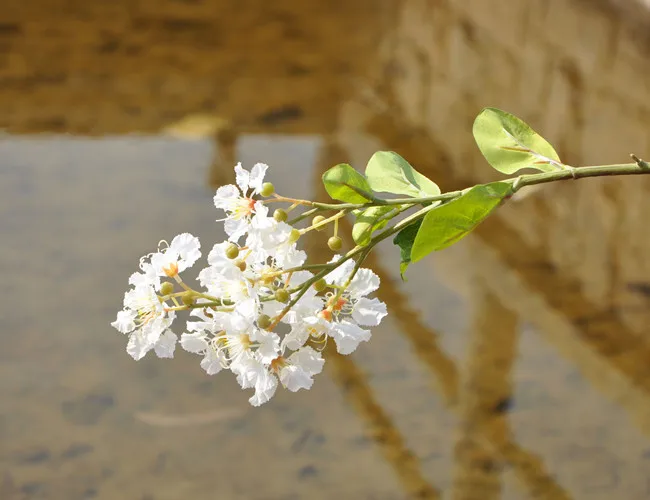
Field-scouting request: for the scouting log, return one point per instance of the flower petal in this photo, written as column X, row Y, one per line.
column 166, row 345
column 213, row 361
column 363, row 283
column 138, row 346
column 225, row 196
column 235, row 228
column 242, row 178
column 341, row 274
column 187, row 247
column 295, row 378
column 194, row 342
column 264, row 389
column 347, row 336
column 269, row 345
column 125, row 321
column 256, row 178
column 308, row 359
column 368, row 312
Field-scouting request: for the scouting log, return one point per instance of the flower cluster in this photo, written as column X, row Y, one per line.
column 261, row 313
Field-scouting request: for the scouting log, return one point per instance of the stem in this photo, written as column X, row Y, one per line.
column 394, row 201
column 295, row 201
column 334, row 218
column 304, row 267
column 641, row 167
column 579, row 173
column 357, row 265
column 304, row 215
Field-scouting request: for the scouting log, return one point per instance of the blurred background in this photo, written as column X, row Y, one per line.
column 515, row 365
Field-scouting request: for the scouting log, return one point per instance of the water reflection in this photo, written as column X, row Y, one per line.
column 514, row 365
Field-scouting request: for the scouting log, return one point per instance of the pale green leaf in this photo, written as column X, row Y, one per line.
column 509, row 144
column 388, row 172
column 344, row 183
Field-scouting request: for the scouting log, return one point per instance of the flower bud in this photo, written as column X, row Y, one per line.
column 335, row 243
column 188, row 298
column 282, row 295
column 280, row 215
column 267, row 189
column 317, row 220
column 320, row 285
column 240, row 264
column 263, row 321
column 166, row 288
column 293, row 237
column 232, row 251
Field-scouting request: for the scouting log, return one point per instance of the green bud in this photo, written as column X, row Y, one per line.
column 188, row 298
column 267, row 189
column 293, row 237
column 320, row 285
column 240, row 264
column 282, row 295
column 232, row 251
column 166, row 288
column 335, row 243
column 263, row 321
column 317, row 220
column 280, row 215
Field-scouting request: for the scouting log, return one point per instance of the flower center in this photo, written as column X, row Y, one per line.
column 325, row 314
column 278, row 363
column 245, row 341
column 171, row 270
column 243, row 208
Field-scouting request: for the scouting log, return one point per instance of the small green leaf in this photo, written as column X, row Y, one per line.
column 404, row 240
column 509, row 144
column 388, row 172
column 366, row 223
column 344, row 183
column 445, row 225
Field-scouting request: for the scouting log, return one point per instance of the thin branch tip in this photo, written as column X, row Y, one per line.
column 639, row 161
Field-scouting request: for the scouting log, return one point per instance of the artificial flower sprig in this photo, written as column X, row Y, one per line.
column 265, row 314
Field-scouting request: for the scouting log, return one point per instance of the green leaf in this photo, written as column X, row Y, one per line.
column 366, row 223
column 344, row 183
column 388, row 172
column 404, row 240
column 509, row 144
column 445, row 225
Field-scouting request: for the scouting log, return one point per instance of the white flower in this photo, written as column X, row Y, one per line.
column 301, row 366
column 294, row 373
column 140, row 344
column 252, row 373
column 145, row 319
column 237, row 202
column 353, row 301
column 346, row 311
column 214, row 359
column 181, row 254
